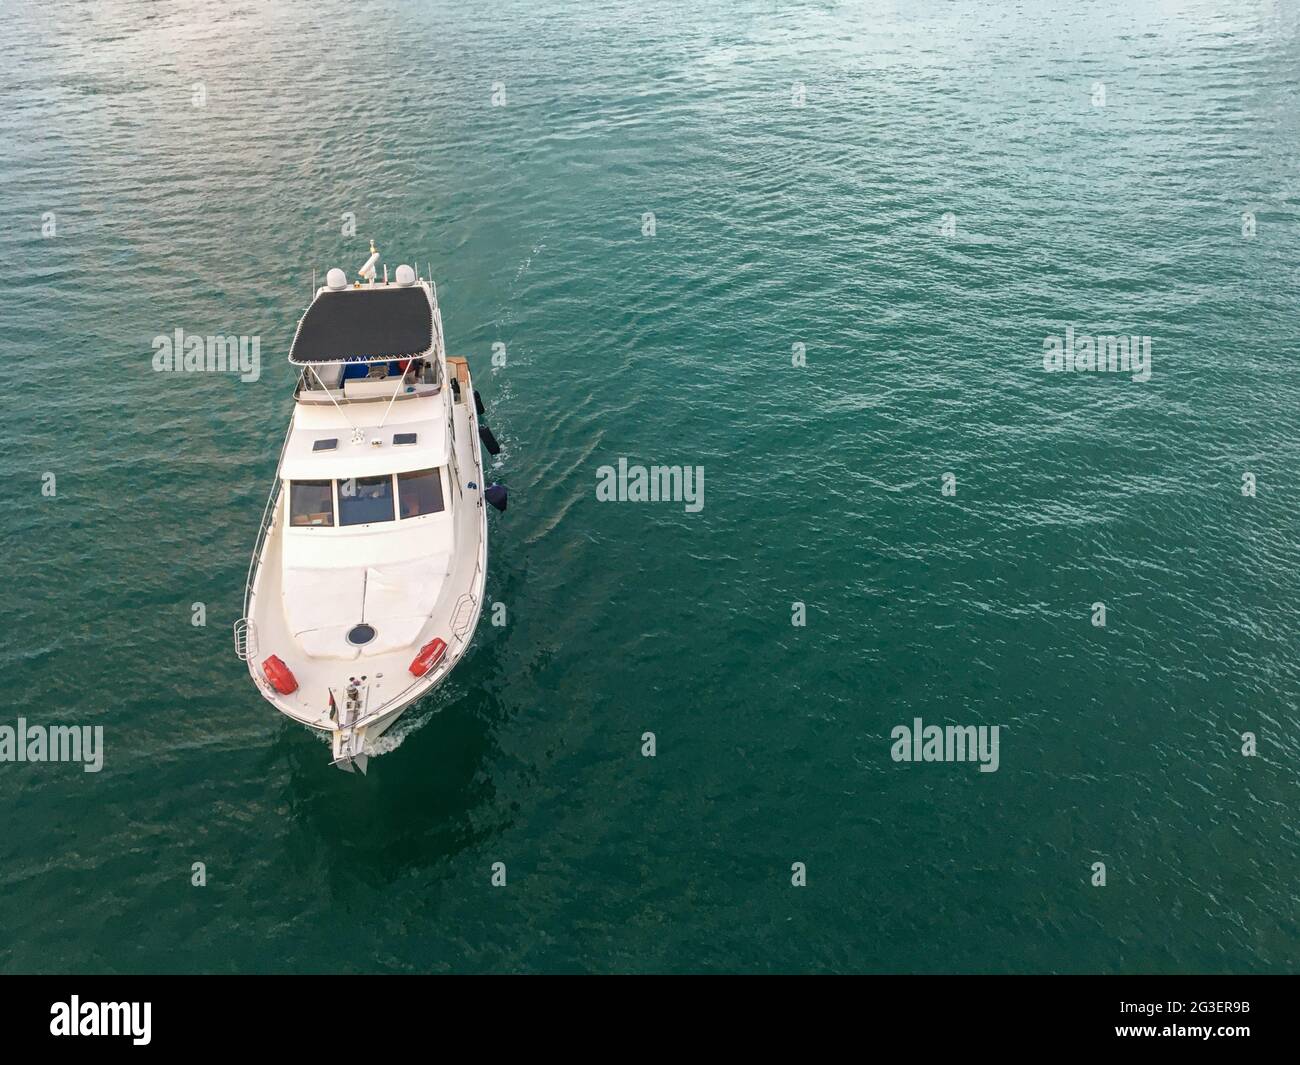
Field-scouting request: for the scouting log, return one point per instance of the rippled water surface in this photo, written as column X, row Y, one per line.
column 775, row 225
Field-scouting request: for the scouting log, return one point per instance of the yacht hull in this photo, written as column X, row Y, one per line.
column 353, row 696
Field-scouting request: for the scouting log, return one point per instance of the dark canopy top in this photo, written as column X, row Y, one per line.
column 364, row 325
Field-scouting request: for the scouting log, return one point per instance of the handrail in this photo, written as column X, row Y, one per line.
column 245, row 639
column 441, row 349
column 268, row 517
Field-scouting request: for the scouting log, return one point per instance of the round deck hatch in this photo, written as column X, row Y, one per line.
column 361, row 634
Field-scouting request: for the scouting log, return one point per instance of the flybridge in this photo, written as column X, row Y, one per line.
column 365, row 325
column 366, row 322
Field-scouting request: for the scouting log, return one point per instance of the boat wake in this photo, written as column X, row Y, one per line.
column 409, row 723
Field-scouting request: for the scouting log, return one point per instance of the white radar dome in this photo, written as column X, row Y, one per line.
column 336, row 279
column 405, row 275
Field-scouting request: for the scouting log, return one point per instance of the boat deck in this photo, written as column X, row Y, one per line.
column 458, row 366
column 453, row 617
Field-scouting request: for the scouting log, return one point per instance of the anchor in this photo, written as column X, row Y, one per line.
column 349, row 741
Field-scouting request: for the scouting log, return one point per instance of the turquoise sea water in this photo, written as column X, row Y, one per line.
column 775, row 225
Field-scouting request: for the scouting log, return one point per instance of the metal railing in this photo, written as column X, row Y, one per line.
column 245, row 641
column 440, row 348
column 245, row 630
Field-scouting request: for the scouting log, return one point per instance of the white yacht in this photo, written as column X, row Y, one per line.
column 366, row 581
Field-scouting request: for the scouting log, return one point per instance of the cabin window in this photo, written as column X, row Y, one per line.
column 420, row 492
column 363, row 500
column 311, row 503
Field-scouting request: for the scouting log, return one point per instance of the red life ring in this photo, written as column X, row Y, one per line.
column 279, row 675
column 430, row 655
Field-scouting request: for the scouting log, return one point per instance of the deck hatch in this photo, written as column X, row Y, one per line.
column 326, row 445
column 360, row 635
column 405, row 438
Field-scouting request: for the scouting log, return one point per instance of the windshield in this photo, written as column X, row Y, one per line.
column 363, row 500
column 420, row 492
column 311, row 503
column 367, row 500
